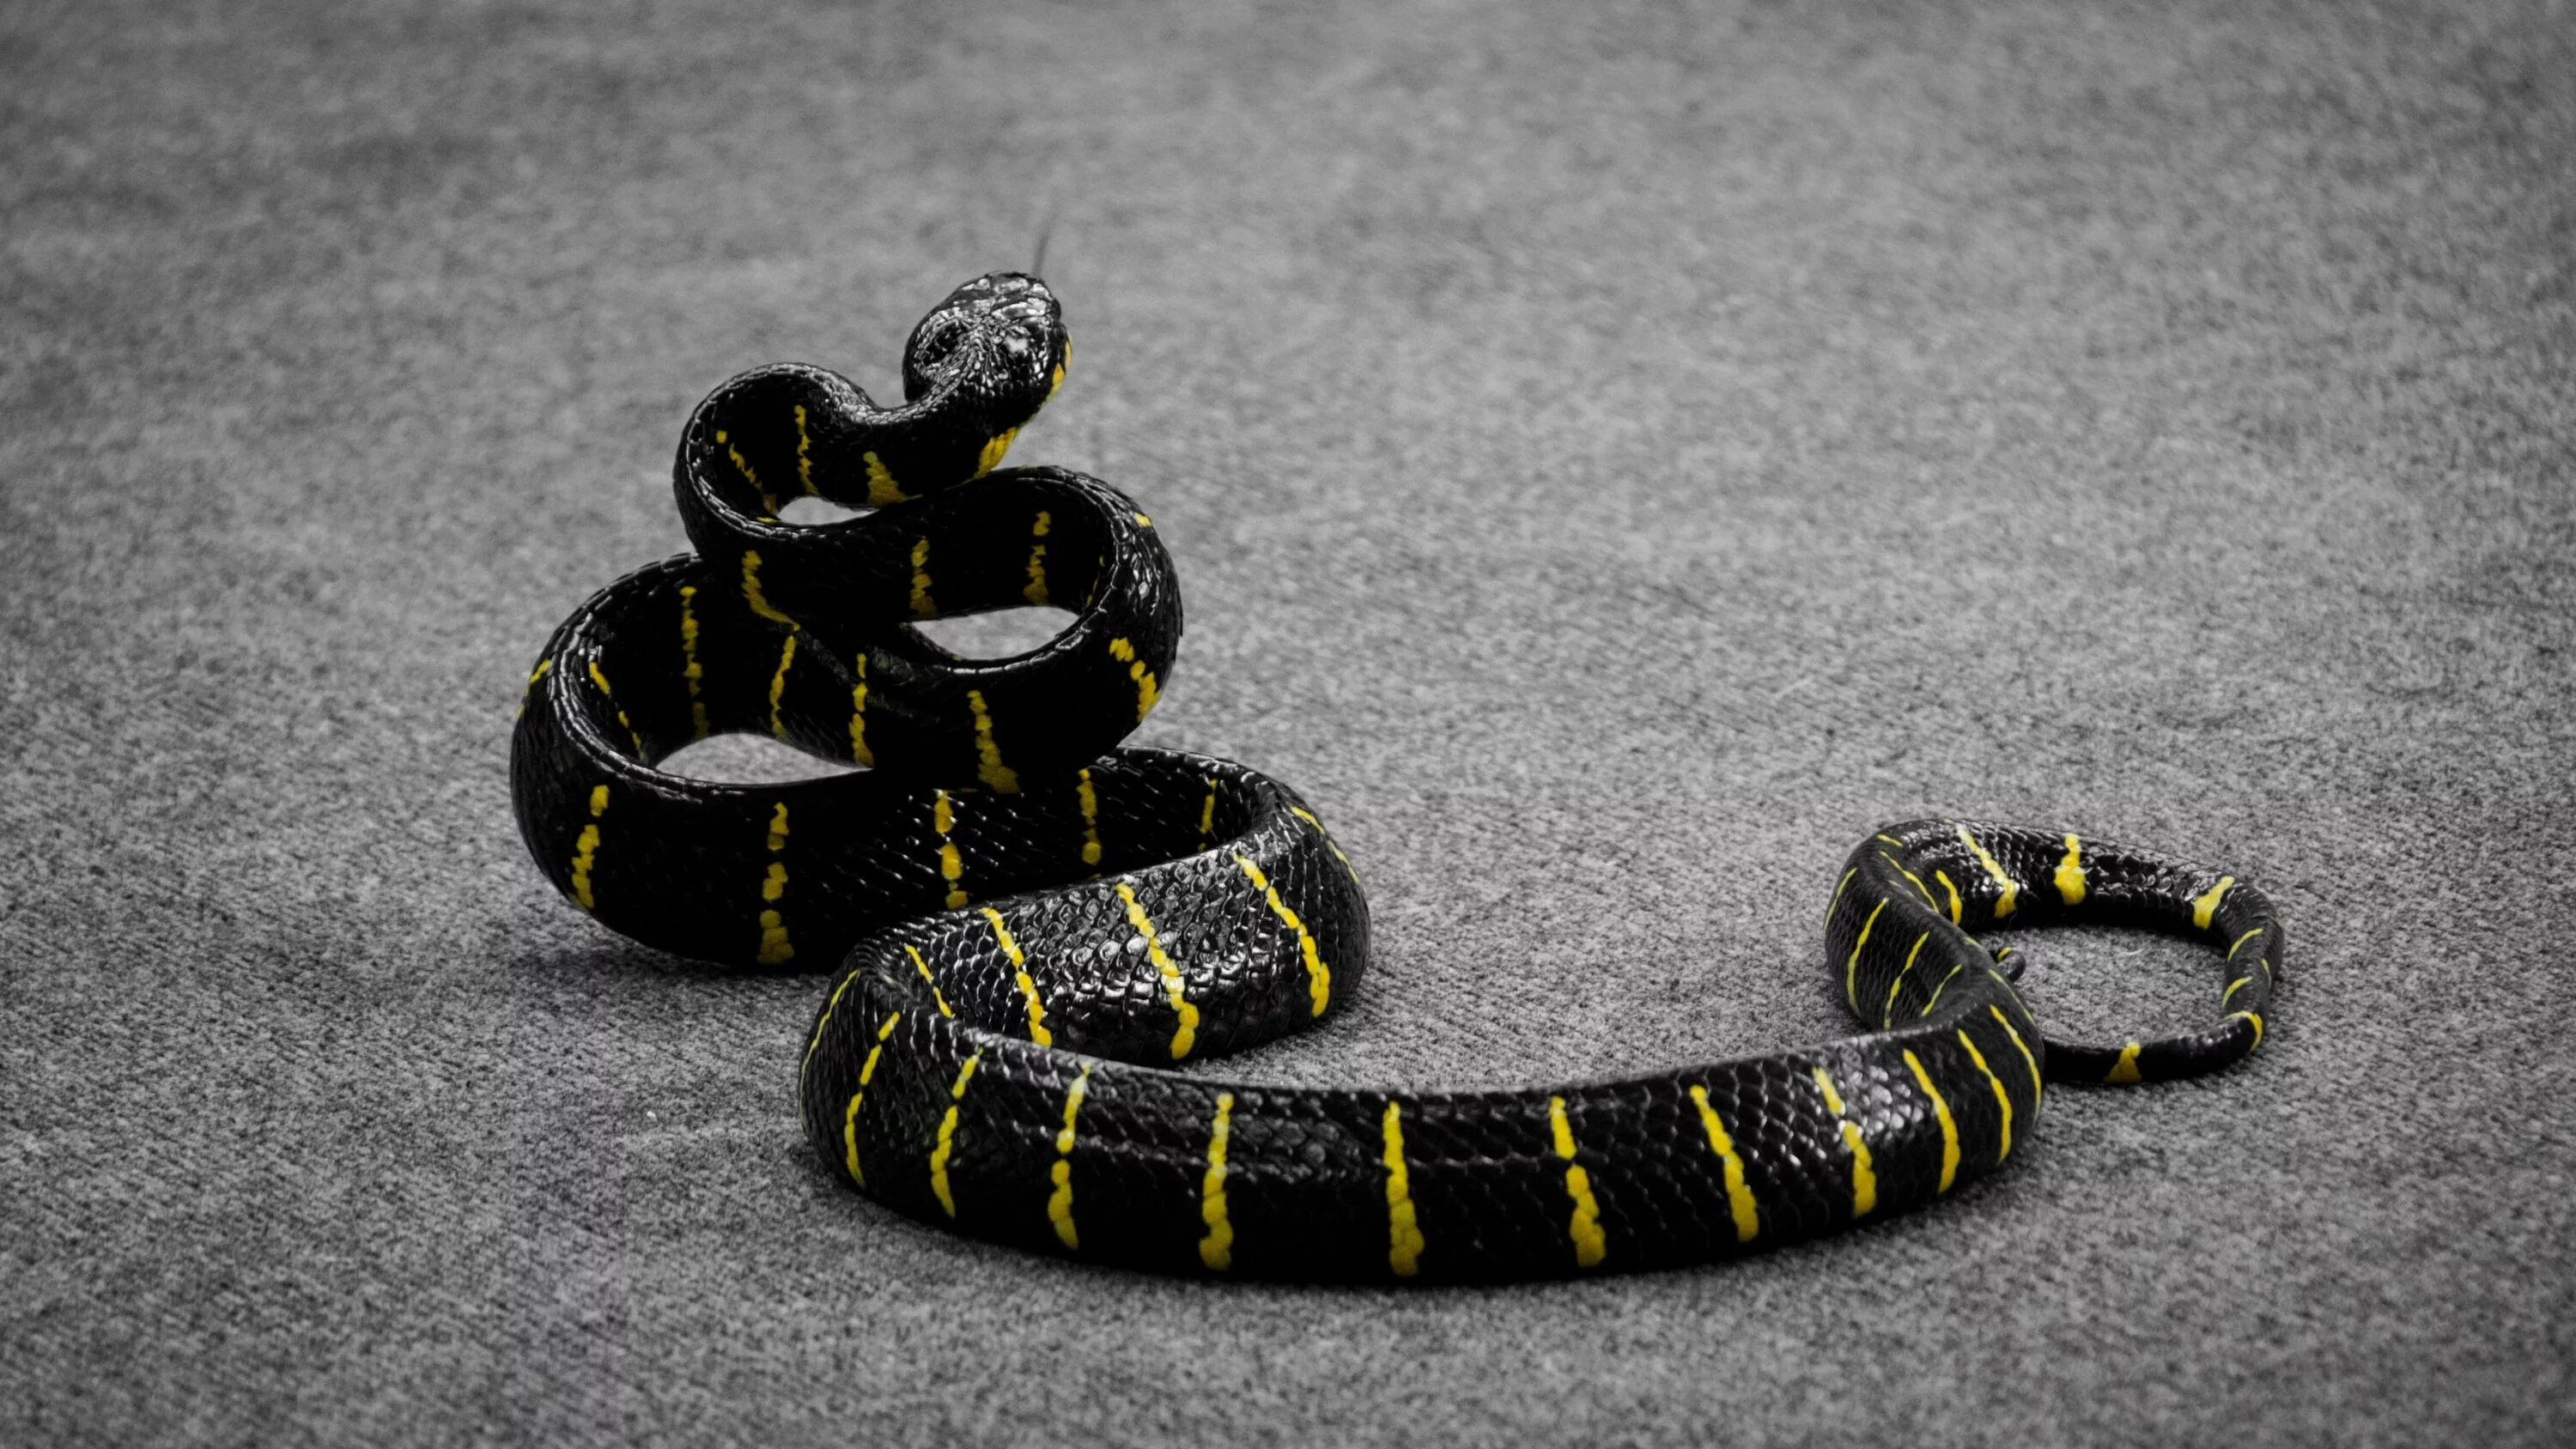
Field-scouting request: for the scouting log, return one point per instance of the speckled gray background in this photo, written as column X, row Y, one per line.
column 1613, row 462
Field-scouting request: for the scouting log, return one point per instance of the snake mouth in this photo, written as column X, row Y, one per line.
column 1002, row 326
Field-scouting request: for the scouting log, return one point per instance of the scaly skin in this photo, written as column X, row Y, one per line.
column 1034, row 927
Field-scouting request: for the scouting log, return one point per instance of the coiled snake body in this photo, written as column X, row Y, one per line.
column 1033, row 927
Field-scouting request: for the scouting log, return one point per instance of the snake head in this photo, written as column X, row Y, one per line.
column 1000, row 338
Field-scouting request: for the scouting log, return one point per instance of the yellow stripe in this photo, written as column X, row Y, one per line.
column 1935, row 999
column 585, row 851
column 2070, row 873
column 804, row 454
column 1063, row 360
column 924, row 968
column 1141, row 520
column 1207, row 814
column 1949, row 1128
column 947, row 1143
column 952, row 866
column 751, row 593
column 1172, row 984
column 1090, row 820
column 826, row 1020
column 1864, row 1177
column 2239, row 984
column 1403, row 1232
column 538, row 673
column 1329, row 842
column 2003, row 1099
column 994, row 448
column 2258, row 1028
column 1036, row 592
column 689, row 661
column 1319, row 977
column 1920, row 888
column 1825, row 1084
column 600, row 679
column 774, row 946
column 1888, row 1016
column 1146, row 690
column 778, row 686
column 1839, row 887
column 1585, row 1227
column 1060, row 1202
column 2241, row 940
column 2205, row 905
column 1028, row 988
column 1002, row 778
column 850, row 1118
column 2010, row 888
column 748, row 476
column 1217, row 1248
column 2032, row 1061
column 1943, row 877
column 1739, row 1198
column 922, row 607
column 882, row 489
column 2125, row 1070
column 859, row 713
column 1851, row 968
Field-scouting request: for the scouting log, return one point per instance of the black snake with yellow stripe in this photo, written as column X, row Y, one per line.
column 1033, row 927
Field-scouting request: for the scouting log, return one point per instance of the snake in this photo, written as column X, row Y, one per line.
column 1035, row 932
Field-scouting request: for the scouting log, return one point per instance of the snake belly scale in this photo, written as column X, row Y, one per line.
column 1033, row 932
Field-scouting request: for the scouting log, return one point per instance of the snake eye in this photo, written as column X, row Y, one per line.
column 932, row 351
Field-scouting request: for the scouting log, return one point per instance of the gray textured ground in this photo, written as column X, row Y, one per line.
column 1612, row 464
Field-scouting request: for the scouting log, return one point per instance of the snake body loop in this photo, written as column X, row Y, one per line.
column 1033, row 928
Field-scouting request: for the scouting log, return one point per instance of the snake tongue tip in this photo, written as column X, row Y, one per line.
column 1046, row 230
